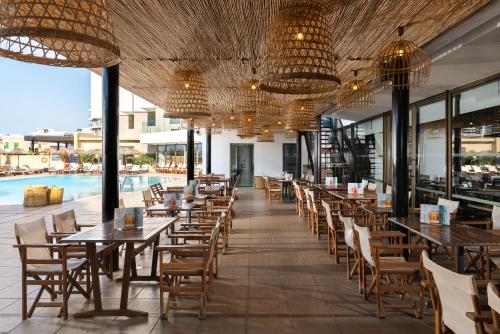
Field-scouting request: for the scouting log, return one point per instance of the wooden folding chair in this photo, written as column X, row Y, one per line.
column 37, row 260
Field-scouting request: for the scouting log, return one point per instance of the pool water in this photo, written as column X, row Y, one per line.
column 75, row 186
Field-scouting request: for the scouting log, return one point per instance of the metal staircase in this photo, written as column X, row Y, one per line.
column 333, row 162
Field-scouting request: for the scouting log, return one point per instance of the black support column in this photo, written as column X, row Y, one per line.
column 209, row 151
column 110, row 140
column 190, row 155
column 399, row 143
column 298, row 157
column 317, row 153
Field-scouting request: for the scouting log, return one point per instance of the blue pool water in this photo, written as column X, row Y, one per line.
column 75, row 186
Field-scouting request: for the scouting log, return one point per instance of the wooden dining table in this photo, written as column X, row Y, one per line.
column 148, row 234
column 324, row 187
column 367, row 196
column 188, row 207
column 455, row 235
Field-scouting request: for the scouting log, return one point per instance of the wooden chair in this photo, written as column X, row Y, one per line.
column 319, row 224
column 65, row 224
column 187, row 261
column 494, row 304
column 157, row 192
column 456, row 304
column 37, row 260
column 347, row 222
column 274, row 190
column 403, row 272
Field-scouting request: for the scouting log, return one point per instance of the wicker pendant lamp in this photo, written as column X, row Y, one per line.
column 187, row 96
column 301, row 116
column 299, row 55
column 231, row 121
column 249, row 127
column 355, row 94
column 267, row 135
column 402, row 64
column 59, row 33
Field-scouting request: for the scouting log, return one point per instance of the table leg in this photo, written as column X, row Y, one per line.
column 94, row 270
column 154, row 263
column 459, row 260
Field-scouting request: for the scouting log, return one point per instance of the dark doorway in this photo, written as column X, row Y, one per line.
column 290, row 158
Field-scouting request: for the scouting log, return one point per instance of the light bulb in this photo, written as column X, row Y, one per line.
column 401, row 52
column 279, row 122
column 301, row 108
column 354, row 87
column 254, row 86
column 232, row 118
column 249, row 119
column 186, row 85
column 300, row 36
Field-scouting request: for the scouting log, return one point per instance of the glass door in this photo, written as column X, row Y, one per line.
column 242, row 163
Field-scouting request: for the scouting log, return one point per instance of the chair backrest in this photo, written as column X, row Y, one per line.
column 313, row 201
column 456, row 293
column 494, row 304
column 388, row 189
column 477, row 169
column 34, row 232
column 147, row 197
column 495, row 217
column 121, row 203
column 453, row 205
column 348, row 231
column 328, row 212
column 214, row 237
column 64, row 222
column 364, row 243
column 308, row 200
column 364, row 182
column 372, row 186
column 156, row 189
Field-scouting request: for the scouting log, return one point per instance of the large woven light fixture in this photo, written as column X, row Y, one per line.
column 249, row 127
column 301, row 116
column 402, row 64
column 187, row 96
column 267, row 135
column 299, row 55
column 355, row 94
column 60, row 33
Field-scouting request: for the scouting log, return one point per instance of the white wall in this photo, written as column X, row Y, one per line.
column 268, row 157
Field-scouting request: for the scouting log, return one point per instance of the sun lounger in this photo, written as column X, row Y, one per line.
column 11, row 171
column 144, row 168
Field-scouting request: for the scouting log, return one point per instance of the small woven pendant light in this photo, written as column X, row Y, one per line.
column 60, row 33
column 249, row 127
column 402, row 64
column 249, row 96
column 299, row 55
column 267, row 135
column 355, row 94
column 187, row 96
column 231, row 121
column 301, row 116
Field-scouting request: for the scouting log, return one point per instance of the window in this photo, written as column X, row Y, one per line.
column 198, row 154
column 431, row 152
column 289, row 158
column 131, row 121
column 368, row 149
column 151, row 118
column 476, row 150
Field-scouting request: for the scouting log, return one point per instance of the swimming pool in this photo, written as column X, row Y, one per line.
column 75, row 186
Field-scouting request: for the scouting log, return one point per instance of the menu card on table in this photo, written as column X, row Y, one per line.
column 355, row 189
column 128, row 218
column 331, row 181
column 434, row 214
column 384, row 200
column 172, row 200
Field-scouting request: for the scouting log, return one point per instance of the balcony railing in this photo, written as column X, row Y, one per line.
column 160, row 126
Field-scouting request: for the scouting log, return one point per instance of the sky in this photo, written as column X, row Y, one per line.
column 40, row 96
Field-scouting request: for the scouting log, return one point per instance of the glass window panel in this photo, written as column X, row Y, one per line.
column 476, row 152
column 482, row 97
column 431, row 152
column 368, row 145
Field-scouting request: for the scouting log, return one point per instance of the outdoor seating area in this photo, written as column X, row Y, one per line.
column 298, row 166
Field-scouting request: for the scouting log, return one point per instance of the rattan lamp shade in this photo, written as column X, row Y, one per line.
column 187, row 96
column 249, row 96
column 249, row 127
column 267, row 136
column 60, row 33
column 299, row 55
column 402, row 64
column 355, row 94
column 301, row 116
column 231, row 121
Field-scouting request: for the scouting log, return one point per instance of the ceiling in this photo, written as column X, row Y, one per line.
column 468, row 52
column 225, row 39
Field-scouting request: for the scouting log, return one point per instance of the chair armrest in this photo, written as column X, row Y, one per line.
column 399, row 246
column 170, row 248
column 486, row 318
column 198, row 236
column 386, row 234
column 56, row 235
column 86, row 225
column 41, row 245
column 428, row 284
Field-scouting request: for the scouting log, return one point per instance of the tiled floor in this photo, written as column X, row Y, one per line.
column 275, row 278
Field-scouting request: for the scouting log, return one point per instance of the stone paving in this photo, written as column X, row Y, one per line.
column 275, row 278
